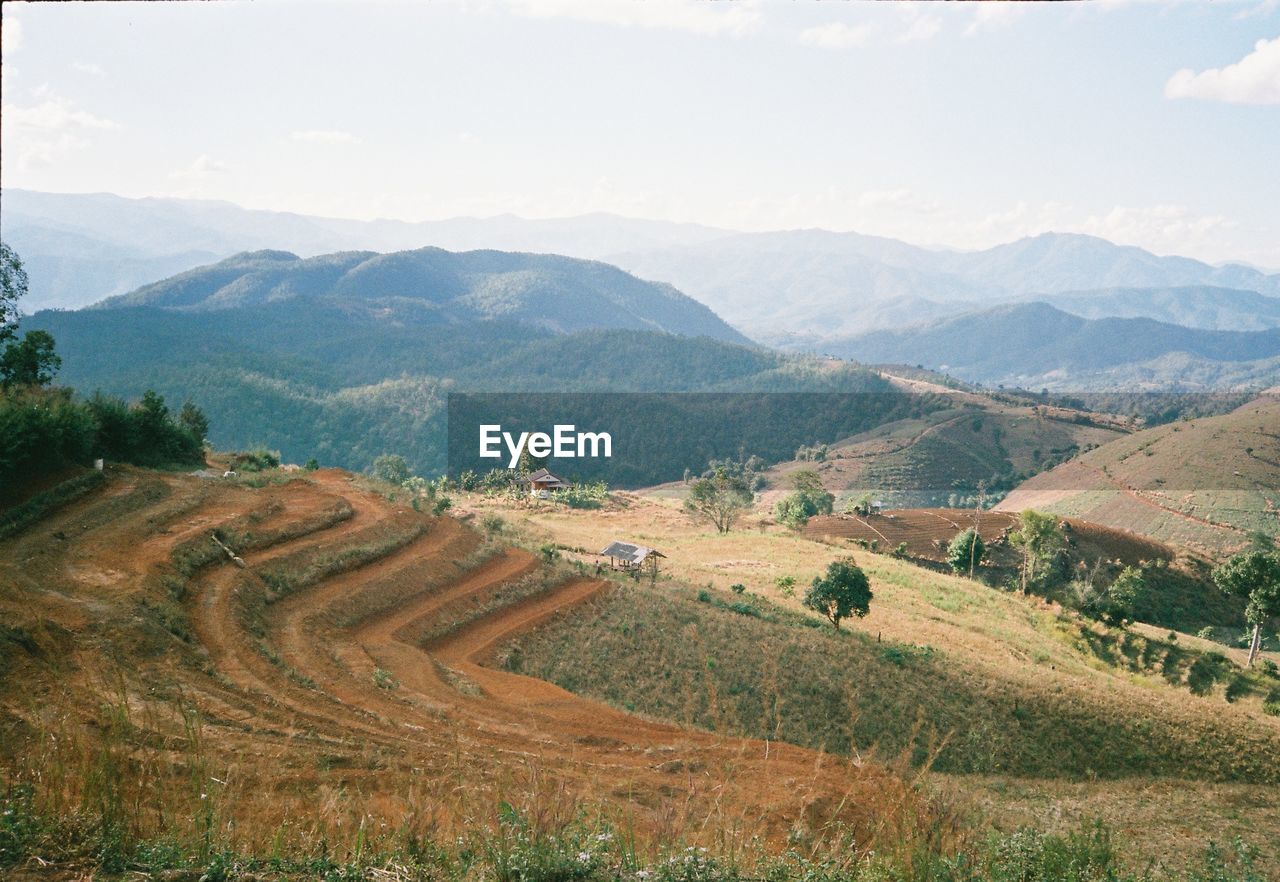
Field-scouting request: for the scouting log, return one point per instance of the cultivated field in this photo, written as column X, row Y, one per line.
column 332, row 691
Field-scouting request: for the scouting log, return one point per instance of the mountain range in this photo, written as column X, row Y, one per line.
column 1023, row 313
column 1035, row 345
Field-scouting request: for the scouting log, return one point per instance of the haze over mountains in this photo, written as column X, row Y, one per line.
column 856, row 296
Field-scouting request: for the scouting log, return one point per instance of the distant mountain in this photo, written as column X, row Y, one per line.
column 799, row 289
column 431, row 285
column 80, row 248
column 1193, row 306
column 810, row 288
column 1037, row 345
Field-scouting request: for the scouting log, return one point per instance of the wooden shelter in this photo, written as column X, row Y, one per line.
column 630, row 557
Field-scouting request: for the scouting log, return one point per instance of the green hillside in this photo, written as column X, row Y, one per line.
column 544, row 290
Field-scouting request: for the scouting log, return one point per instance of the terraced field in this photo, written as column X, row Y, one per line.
column 336, row 668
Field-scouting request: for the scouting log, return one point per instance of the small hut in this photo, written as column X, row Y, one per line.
column 632, row 558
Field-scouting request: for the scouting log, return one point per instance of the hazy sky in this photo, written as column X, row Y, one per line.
column 955, row 124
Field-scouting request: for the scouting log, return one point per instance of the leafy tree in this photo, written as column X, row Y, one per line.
column 966, row 551
column 720, row 499
column 842, row 592
column 30, row 362
column 13, row 287
column 1117, row 603
column 1039, row 537
column 809, row 499
column 392, row 468
column 194, row 421
column 1254, row 575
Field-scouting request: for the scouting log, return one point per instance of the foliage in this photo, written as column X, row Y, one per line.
column 43, row 431
column 1254, row 575
column 1039, row 537
column 259, row 459
column 966, row 551
column 29, row 362
column 720, row 499
column 843, row 591
column 809, row 499
column 1114, row 604
column 392, row 468
column 592, row 494
column 13, row 287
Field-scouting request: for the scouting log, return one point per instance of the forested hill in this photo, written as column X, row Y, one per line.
column 345, row 385
column 560, row 294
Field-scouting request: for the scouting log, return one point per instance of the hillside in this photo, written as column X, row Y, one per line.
column 359, row 645
column 1034, row 345
column 347, row 384
column 1205, row 484
column 432, row 285
column 940, row 457
column 1019, row 698
column 345, row 653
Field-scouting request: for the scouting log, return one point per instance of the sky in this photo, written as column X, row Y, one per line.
column 959, row 125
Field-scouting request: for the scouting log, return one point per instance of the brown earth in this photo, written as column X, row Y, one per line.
column 320, row 706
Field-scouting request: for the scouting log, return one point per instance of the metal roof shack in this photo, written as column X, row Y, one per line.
column 629, row 556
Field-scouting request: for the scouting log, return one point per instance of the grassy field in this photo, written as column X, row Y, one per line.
column 1023, row 706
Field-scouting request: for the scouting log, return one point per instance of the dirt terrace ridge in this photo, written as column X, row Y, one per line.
column 310, row 678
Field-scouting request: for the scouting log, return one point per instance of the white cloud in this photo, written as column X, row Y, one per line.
column 710, row 19
column 10, row 34
column 1254, row 79
column 989, row 16
column 40, row 133
column 325, row 136
column 836, row 35
column 203, row 167
column 923, row 27
column 1160, row 228
column 92, row 70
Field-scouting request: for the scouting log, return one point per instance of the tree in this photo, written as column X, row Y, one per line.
column 194, row 421
column 842, row 592
column 1122, row 597
column 13, row 287
column 966, row 551
column 721, row 499
column 30, row 362
column 391, row 468
column 809, row 499
column 1039, row 537
column 1255, row 576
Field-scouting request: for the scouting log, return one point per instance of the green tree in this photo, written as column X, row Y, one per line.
column 1039, row 537
column 966, row 551
column 13, row 287
column 809, row 499
column 720, row 499
column 194, row 421
column 1255, row 576
column 392, row 468
column 842, row 592
column 1123, row 596
column 29, row 362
